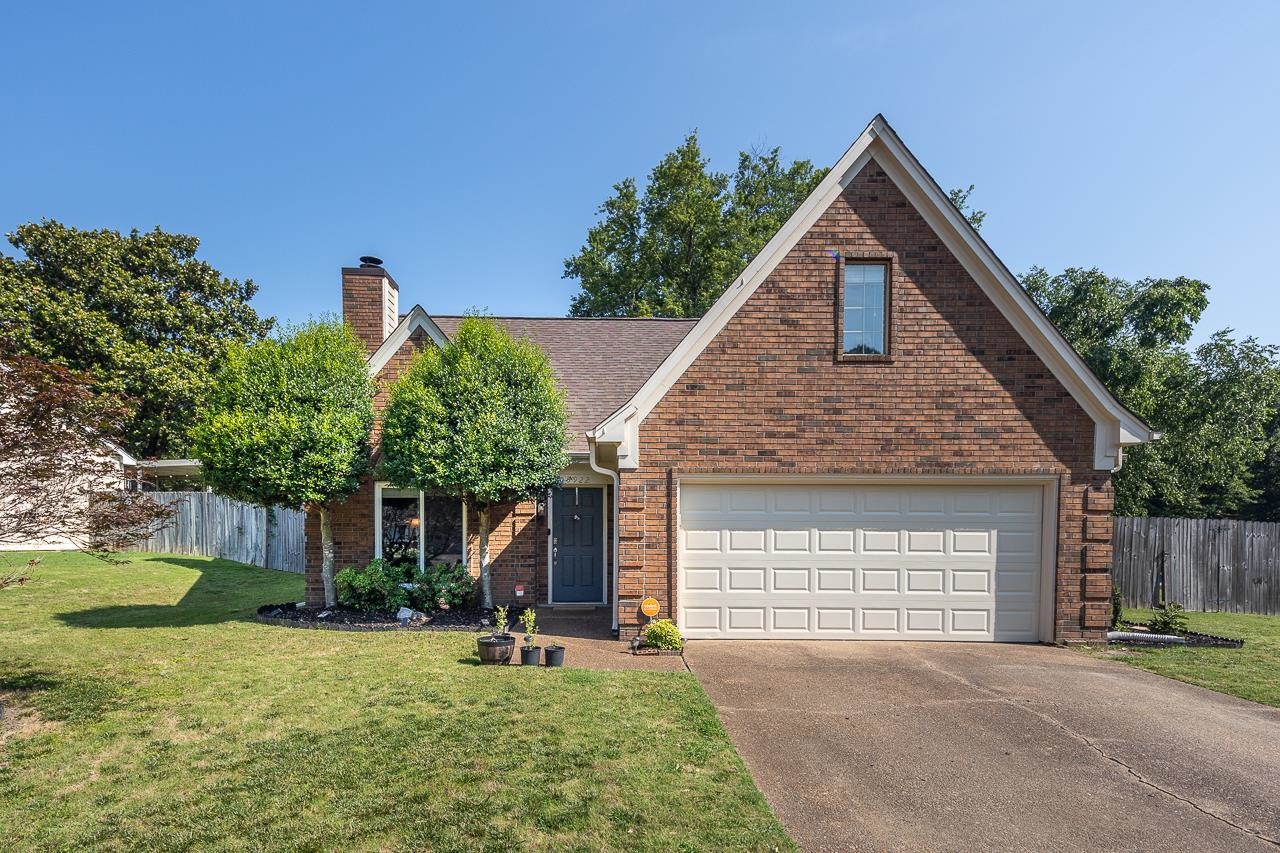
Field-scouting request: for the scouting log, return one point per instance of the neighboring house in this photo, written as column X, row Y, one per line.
column 52, row 502
column 874, row 433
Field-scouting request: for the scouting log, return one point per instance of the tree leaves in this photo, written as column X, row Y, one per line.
column 480, row 419
column 671, row 251
column 138, row 312
column 289, row 419
column 1213, row 403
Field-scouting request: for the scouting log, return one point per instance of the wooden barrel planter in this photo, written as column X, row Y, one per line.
column 496, row 650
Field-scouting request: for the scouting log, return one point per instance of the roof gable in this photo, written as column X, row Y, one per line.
column 600, row 362
column 1115, row 426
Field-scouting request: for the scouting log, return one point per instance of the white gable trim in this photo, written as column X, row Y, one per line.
column 1115, row 426
column 416, row 319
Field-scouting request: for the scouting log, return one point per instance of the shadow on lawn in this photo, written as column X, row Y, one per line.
column 223, row 592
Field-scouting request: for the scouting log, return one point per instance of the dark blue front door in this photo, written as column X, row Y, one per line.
column 577, row 545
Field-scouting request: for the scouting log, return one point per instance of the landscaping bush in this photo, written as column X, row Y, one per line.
column 1171, row 619
column 663, row 634
column 376, row 587
column 1117, row 606
column 444, row 586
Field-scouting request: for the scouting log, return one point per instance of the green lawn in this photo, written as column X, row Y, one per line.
column 1252, row 672
column 145, row 710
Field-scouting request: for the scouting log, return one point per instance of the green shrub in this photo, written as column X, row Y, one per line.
column 376, row 587
column 443, row 586
column 663, row 634
column 1171, row 619
column 1117, row 606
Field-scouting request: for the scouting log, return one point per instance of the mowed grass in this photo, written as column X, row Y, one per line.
column 145, row 709
column 1252, row 672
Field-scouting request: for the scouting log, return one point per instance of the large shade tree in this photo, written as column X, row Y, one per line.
column 288, row 422
column 139, row 312
column 60, row 475
column 672, row 249
column 481, row 420
column 1213, row 402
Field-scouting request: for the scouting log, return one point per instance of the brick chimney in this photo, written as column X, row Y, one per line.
column 370, row 301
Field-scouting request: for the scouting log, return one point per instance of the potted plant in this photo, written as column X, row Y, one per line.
column 555, row 654
column 529, row 653
column 497, row 647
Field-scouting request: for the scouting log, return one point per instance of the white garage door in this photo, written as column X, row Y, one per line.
column 860, row 561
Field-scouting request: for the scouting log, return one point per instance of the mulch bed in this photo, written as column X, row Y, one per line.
column 290, row 615
column 1193, row 638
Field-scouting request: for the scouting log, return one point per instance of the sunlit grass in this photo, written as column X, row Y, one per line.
column 145, row 709
column 1252, row 672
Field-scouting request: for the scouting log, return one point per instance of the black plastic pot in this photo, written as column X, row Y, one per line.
column 555, row 655
column 495, row 650
column 529, row 655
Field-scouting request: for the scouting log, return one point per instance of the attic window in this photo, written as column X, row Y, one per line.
column 864, row 311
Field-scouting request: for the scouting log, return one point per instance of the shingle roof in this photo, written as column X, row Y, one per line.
column 601, row 361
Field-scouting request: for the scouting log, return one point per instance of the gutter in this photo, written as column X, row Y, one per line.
column 617, row 481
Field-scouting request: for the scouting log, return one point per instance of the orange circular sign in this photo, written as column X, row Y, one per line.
column 650, row 607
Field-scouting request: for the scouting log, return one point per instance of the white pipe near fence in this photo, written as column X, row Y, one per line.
column 1208, row 564
column 210, row 525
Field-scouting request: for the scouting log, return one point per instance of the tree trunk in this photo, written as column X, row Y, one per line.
column 486, row 588
column 326, row 556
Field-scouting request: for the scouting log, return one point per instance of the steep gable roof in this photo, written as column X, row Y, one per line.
column 1115, row 426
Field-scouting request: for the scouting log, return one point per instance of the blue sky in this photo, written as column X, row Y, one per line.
column 470, row 147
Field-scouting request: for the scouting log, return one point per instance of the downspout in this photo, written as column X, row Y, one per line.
column 617, row 481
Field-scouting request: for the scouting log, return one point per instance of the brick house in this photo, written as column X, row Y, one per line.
column 874, row 433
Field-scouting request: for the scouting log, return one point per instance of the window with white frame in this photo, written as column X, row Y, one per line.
column 414, row 529
column 864, row 327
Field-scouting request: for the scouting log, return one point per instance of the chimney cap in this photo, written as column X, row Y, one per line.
column 370, row 261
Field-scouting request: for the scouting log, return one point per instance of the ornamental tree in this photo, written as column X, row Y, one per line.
column 60, row 478
column 288, row 422
column 480, row 419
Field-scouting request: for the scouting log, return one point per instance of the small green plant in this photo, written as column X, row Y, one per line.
column 500, row 620
column 1117, row 607
column 663, row 634
column 529, row 622
column 1171, row 619
column 375, row 587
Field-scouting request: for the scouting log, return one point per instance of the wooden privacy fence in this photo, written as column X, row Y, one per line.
column 213, row 526
column 1208, row 564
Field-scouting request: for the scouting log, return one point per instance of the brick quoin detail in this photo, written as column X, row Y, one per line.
column 962, row 393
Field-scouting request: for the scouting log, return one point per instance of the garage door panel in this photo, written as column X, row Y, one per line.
column 881, row 542
column 791, row 580
column 879, row 620
column 879, row 580
column 791, row 541
column 934, row 562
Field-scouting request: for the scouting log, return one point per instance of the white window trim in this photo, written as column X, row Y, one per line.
column 378, row 488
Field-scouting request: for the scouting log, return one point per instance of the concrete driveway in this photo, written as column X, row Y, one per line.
column 940, row 746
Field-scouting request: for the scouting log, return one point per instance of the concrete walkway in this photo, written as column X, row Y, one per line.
column 589, row 644
column 932, row 746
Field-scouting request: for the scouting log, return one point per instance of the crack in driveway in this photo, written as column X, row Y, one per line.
column 1084, row 739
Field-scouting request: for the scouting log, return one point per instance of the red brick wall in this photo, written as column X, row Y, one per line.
column 370, row 300
column 962, row 394
column 518, row 550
